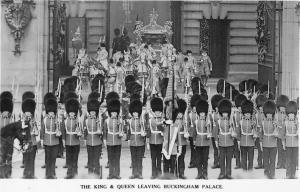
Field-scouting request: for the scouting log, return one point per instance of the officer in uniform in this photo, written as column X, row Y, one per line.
column 224, row 131
column 93, row 131
column 268, row 138
column 155, row 134
column 214, row 119
column 201, row 134
column 182, row 124
column 6, row 117
column 71, row 134
column 290, row 139
column 246, row 135
column 50, row 133
column 191, row 123
column 28, row 109
column 137, row 133
column 113, row 133
column 280, row 116
column 259, row 115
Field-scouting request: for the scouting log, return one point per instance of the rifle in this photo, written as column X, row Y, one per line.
column 186, row 111
column 121, row 111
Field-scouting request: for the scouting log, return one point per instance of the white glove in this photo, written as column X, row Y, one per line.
column 148, row 146
column 261, row 146
column 217, row 144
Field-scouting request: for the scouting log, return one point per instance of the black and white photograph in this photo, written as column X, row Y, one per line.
column 149, row 95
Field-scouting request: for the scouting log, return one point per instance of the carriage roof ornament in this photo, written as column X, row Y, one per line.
column 153, row 27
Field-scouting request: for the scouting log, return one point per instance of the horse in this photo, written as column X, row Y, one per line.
column 18, row 130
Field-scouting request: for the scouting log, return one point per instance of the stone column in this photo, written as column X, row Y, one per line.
column 290, row 50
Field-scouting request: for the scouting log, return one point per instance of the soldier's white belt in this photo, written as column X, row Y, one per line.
column 268, row 134
column 50, row 132
column 291, row 134
column 198, row 133
column 94, row 133
column 247, row 134
column 156, row 132
column 112, row 133
column 136, row 133
column 72, row 133
column 225, row 133
column 182, row 133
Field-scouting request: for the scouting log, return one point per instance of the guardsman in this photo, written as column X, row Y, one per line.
column 259, row 115
column 28, row 109
column 268, row 136
column 237, row 116
column 214, row 119
column 113, row 133
column 224, row 131
column 137, row 133
column 6, row 117
column 71, row 133
column 181, row 122
column 246, row 135
column 280, row 116
column 191, row 123
column 93, row 131
column 50, row 133
column 290, row 139
column 155, row 134
column 201, row 135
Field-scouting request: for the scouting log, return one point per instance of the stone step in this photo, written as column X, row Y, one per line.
column 243, row 32
column 244, row 16
column 242, row 41
column 243, row 24
column 251, row 49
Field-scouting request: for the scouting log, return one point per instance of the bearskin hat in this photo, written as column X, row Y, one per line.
column 194, row 100
column 202, row 106
column 51, row 105
column 163, row 86
column 28, row 95
column 156, row 104
column 69, row 87
column 129, row 86
column 229, row 87
column 269, row 107
column 220, row 85
column 6, row 105
column 72, row 105
column 242, row 86
column 113, row 106
column 225, row 106
column 28, row 105
column 215, row 101
column 93, row 105
column 195, row 85
column 70, row 95
column 282, row 101
column 271, row 95
column 136, row 89
column 291, row 107
column 93, row 95
column 239, row 99
column 6, row 95
column 182, row 105
column 251, row 83
column 129, row 78
column 112, row 96
column 204, row 96
column 47, row 96
column 136, row 106
column 235, row 93
column 260, row 100
column 247, row 106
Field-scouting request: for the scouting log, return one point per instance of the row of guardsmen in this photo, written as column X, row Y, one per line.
column 232, row 126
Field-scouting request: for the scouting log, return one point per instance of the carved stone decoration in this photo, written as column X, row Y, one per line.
column 204, row 35
column 18, row 16
column 263, row 34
